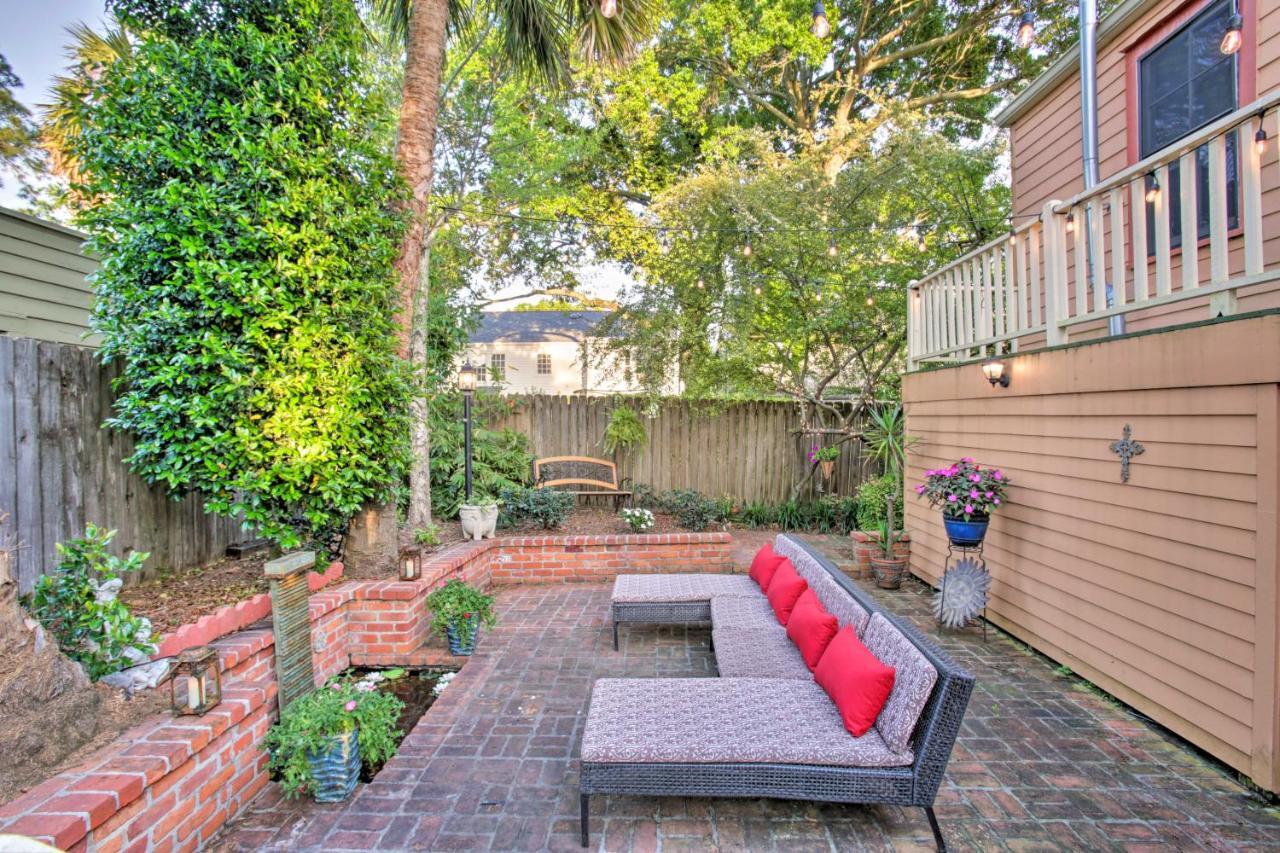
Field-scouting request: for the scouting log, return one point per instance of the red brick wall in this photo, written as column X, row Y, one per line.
column 170, row 783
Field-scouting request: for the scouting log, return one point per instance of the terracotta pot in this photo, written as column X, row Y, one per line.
column 828, row 467
column 866, row 544
column 888, row 571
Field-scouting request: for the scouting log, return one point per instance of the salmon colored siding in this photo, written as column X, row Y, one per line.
column 1046, row 149
column 1161, row 590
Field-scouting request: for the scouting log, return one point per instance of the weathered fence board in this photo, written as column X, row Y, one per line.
column 750, row 450
column 59, row 469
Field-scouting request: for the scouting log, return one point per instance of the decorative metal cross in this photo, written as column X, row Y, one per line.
column 1126, row 448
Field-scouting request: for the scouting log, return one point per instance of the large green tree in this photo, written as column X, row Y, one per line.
column 246, row 218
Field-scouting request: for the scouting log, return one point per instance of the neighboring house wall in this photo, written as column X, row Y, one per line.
column 1162, row 590
column 43, row 290
column 522, row 376
column 1045, row 135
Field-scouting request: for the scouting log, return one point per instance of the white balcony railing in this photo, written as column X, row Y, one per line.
column 1033, row 285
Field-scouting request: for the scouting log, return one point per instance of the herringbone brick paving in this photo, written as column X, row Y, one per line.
column 1043, row 761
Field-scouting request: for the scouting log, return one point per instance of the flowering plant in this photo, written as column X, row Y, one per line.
column 639, row 520
column 964, row 489
column 462, row 608
column 308, row 724
column 830, row 453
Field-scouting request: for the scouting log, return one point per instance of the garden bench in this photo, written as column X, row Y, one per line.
column 587, row 475
column 764, row 728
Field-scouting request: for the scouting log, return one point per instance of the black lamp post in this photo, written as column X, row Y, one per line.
column 466, row 384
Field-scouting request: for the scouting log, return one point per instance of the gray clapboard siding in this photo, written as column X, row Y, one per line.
column 59, row 469
column 44, row 293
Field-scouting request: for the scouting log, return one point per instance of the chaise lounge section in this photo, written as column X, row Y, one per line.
column 765, row 728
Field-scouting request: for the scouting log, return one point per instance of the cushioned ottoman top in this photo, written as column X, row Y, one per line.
column 760, row 652
column 645, row 589
column 724, row 720
column 743, row 611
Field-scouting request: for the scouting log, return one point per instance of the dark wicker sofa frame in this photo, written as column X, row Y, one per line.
column 915, row 785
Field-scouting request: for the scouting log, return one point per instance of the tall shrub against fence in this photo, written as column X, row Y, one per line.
column 60, row 469
column 750, row 450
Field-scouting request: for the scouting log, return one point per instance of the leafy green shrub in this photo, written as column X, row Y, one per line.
column 309, row 722
column 429, row 536
column 500, row 459
column 757, row 514
column 624, row 431
column 78, row 605
column 645, row 495
column 692, row 509
column 246, row 216
column 871, row 502
column 462, row 608
column 545, row 508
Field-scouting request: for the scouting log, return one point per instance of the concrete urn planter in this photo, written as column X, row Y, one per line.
column 478, row 522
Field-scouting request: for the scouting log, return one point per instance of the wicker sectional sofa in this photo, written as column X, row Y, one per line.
column 764, row 728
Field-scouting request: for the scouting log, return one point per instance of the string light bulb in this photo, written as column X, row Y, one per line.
column 702, row 285
column 608, row 8
column 1233, row 38
column 1071, row 222
column 746, row 247
column 870, row 301
column 1260, row 140
column 1013, row 237
column 1153, row 187
column 821, row 27
column 1026, row 30
column 832, row 251
column 759, row 290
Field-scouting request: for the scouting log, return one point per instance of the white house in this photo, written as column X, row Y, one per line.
column 548, row 352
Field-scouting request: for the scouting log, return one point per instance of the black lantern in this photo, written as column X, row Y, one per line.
column 198, row 668
column 411, row 563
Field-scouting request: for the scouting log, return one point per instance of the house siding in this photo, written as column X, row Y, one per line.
column 44, row 292
column 1161, row 590
column 1045, row 146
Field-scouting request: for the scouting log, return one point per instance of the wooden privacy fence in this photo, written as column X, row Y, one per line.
column 750, row 450
column 59, row 469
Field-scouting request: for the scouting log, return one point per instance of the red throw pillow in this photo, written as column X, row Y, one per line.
column 855, row 680
column 766, row 562
column 784, row 590
column 811, row 628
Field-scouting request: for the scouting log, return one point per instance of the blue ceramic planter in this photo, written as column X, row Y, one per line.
column 456, row 646
column 336, row 770
column 966, row 534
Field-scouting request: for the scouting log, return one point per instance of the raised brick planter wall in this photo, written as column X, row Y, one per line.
column 170, row 783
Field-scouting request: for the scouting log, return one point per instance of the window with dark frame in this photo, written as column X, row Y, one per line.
column 1184, row 84
column 544, row 364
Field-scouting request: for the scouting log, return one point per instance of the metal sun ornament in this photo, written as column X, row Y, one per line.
column 963, row 593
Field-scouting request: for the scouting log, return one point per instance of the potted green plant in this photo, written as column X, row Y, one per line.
column 967, row 494
column 888, row 563
column 479, row 517
column 887, row 443
column 825, row 458
column 459, row 611
column 322, row 738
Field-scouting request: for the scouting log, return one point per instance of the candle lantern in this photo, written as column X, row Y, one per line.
column 198, row 669
column 411, row 563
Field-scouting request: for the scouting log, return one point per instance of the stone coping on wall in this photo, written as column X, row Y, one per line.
column 172, row 782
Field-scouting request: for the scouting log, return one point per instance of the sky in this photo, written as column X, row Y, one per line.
column 32, row 34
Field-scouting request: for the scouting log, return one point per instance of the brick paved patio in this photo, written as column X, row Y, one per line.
column 1043, row 762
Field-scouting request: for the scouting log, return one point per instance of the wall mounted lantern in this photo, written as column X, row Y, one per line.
column 199, row 668
column 993, row 369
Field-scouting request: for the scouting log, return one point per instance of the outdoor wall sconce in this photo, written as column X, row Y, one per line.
column 199, row 667
column 411, row 563
column 993, row 369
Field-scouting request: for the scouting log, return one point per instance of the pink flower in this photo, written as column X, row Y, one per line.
column 997, row 475
column 920, row 489
column 350, row 706
column 996, row 502
column 973, row 493
column 989, row 495
column 335, row 686
column 975, row 478
column 968, row 508
column 968, row 459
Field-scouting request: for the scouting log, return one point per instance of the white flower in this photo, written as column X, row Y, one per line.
column 442, row 683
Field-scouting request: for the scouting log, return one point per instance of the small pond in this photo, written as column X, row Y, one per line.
column 417, row 689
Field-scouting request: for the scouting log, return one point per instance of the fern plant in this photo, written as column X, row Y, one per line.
column 624, row 432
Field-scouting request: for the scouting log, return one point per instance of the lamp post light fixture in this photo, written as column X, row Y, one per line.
column 467, row 385
column 198, row 668
column 993, row 369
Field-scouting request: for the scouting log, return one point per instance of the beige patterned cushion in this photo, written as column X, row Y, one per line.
column 911, row 686
column 646, row 589
column 742, row 611
column 758, row 653
column 733, row 720
column 838, row 602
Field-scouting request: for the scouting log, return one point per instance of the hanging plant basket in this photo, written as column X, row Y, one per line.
column 966, row 534
column 828, row 467
column 336, row 770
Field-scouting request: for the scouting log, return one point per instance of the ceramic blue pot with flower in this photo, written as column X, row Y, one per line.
column 967, row 493
column 336, row 769
column 966, row 533
column 462, row 637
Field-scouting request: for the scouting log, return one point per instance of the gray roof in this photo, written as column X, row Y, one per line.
column 530, row 327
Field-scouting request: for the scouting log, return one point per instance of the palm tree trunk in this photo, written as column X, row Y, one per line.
column 415, row 152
